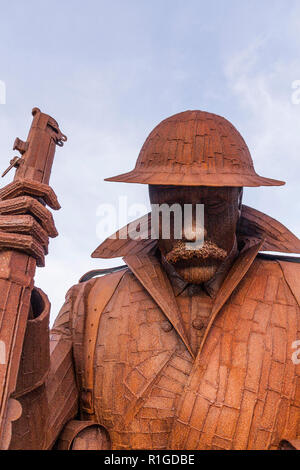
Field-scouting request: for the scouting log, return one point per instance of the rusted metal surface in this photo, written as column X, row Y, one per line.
column 254, row 225
column 20, row 253
column 159, row 355
column 195, row 148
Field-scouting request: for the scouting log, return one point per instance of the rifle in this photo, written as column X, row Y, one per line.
column 17, row 269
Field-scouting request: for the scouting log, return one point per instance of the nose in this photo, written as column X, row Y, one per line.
column 191, row 233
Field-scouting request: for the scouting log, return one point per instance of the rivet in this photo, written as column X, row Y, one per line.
column 166, row 326
column 198, row 324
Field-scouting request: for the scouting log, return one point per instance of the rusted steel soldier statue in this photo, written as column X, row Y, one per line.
column 180, row 348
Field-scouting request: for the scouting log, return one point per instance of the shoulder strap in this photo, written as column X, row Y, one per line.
column 291, row 272
column 99, row 296
column 275, row 257
column 99, row 272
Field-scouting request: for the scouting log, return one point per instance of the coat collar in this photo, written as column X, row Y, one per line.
column 149, row 271
column 254, row 226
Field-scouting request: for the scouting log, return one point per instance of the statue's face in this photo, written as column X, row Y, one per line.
column 221, row 214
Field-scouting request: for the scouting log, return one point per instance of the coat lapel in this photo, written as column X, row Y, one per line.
column 153, row 277
column 238, row 270
column 235, row 275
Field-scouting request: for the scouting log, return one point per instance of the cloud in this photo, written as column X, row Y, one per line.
column 270, row 124
column 111, row 72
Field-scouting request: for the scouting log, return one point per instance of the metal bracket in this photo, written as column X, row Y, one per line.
column 14, row 163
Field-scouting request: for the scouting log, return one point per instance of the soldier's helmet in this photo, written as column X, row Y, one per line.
column 195, row 148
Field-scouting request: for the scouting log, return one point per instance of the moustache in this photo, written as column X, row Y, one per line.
column 209, row 251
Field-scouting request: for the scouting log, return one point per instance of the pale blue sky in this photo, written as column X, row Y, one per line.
column 110, row 71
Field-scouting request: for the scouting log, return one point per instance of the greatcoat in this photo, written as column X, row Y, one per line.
column 121, row 356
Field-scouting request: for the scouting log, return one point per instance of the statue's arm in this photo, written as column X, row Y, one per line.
column 46, row 387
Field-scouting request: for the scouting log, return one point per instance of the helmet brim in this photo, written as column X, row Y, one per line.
column 193, row 179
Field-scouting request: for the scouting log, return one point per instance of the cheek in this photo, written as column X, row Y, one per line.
column 221, row 228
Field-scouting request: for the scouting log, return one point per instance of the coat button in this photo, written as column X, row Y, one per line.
column 166, row 326
column 198, row 324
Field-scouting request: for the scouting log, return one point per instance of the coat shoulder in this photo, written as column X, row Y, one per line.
column 287, row 268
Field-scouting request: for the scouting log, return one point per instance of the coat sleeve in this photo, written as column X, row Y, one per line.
column 46, row 386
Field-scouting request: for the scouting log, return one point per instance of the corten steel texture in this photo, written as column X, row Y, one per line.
column 195, row 148
column 232, row 386
column 18, row 267
column 129, row 356
column 138, row 362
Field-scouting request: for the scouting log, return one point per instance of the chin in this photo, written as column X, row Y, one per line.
column 196, row 274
